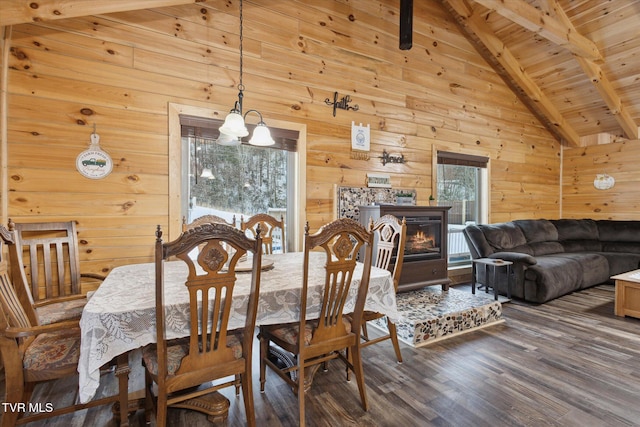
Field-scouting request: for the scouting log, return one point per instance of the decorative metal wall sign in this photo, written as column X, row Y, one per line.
column 391, row 158
column 342, row 103
column 94, row 163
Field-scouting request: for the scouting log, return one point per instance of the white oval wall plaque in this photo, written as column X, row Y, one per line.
column 604, row 181
column 94, row 163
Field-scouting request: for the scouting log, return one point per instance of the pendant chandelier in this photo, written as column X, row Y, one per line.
column 234, row 127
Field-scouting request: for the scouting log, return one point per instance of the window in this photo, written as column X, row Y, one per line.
column 236, row 181
column 181, row 153
column 462, row 184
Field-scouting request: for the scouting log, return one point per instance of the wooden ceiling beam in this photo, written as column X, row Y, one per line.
column 610, row 97
column 511, row 71
column 559, row 32
column 19, row 11
column 602, row 84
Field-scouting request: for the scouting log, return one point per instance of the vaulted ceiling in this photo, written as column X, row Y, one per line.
column 574, row 63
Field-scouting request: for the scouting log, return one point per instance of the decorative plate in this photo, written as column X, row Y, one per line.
column 94, row 163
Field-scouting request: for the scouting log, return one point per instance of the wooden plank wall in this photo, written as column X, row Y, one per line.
column 119, row 71
column 581, row 199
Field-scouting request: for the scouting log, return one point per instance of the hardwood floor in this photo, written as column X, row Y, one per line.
column 569, row 362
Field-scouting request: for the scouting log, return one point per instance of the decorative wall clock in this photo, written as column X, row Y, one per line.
column 94, row 163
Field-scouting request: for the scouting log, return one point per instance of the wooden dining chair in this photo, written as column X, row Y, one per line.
column 45, row 267
column 210, row 352
column 34, row 354
column 391, row 234
column 269, row 226
column 205, row 219
column 324, row 338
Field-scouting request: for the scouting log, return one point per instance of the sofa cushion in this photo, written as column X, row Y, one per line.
column 620, row 262
column 551, row 277
column 578, row 235
column 537, row 230
column 619, row 231
column 581, row 245
column 504, row 236
column 594, row 267
column 559, row 274
column 576, row 229
column 633, row 247
column 546, row 248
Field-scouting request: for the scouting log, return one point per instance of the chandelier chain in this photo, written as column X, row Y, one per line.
column 234, row 126
column 240, row 85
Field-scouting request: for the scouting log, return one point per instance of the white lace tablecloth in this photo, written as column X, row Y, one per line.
column 120, row 316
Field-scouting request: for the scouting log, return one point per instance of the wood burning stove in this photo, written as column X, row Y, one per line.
column 425, row 254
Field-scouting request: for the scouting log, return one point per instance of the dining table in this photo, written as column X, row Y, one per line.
column 120, row 316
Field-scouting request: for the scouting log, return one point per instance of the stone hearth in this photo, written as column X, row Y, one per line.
column 431, row 314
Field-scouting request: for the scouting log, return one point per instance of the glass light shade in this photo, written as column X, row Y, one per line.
column 261, row 136
column 234, row 125
column 206, row 173
column 225, row 139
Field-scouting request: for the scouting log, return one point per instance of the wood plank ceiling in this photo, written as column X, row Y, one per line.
column 574, row 63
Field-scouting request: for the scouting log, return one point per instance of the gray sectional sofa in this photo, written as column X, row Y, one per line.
column 555, row 257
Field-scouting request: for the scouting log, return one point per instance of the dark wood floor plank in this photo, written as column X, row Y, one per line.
column 569, row 362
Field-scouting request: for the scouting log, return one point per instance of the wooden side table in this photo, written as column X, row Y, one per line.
column 627, row 294
column 495, row 264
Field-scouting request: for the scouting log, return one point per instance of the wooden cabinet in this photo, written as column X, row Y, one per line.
column 425, row 255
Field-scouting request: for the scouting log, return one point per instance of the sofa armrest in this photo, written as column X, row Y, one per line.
column 515, row 257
